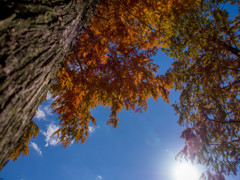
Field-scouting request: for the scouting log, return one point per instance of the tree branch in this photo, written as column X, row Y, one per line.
column 78, row 60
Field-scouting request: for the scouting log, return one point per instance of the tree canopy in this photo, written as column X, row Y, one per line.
column 111, row 65
column 205, row 48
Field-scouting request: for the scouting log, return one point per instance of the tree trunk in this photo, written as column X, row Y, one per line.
column 35, row 36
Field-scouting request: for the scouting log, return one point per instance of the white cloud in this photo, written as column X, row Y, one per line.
column 49, row 97
column 52, row 140
column 91, row 129
column 36, row 148
column 40, row 114
column 99, row 177
column 51, row 128
column 47, row 110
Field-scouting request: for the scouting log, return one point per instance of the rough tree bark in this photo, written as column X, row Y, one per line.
column 35, row 36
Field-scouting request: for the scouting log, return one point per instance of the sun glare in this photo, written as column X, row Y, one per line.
column 186, row 171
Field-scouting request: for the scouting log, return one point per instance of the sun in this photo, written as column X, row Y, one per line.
column 186, row 171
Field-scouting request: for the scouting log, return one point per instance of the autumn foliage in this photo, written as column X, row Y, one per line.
column 111, row 65
column 206, row 69
column 22, row 145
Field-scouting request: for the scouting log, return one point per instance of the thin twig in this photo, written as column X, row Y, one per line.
column 78, row 60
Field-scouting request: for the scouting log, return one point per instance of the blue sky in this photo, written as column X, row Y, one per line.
column 143, row 147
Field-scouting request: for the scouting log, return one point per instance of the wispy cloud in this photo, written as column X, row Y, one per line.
column 49, row 97
column 51, row 128
column 43, row 112
column 47, row 110
column 52, row 140
column 36, row 148
column 99, row 177
column 40, row 114
column 91, row 129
